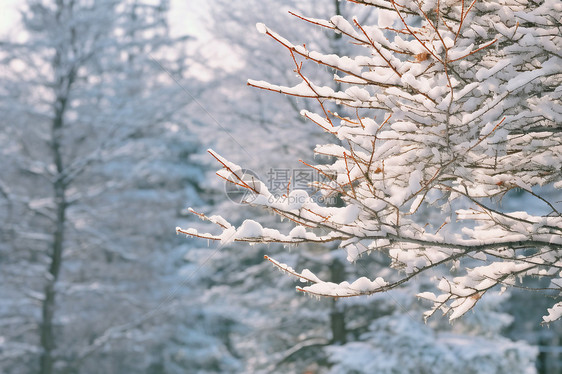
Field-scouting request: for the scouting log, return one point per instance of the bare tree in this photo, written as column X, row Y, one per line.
column 88, row 139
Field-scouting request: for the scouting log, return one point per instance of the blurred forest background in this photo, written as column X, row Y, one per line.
column 106, row 114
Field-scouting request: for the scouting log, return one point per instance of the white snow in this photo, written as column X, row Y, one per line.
column 386, row 18
column 249, row 229
column 554, row 313
column 262, row 29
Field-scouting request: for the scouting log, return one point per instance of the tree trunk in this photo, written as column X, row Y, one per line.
column 47, row 338
column 337, row 314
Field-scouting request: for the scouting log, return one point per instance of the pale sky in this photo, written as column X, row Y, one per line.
column 185, row 16
column 8, row 15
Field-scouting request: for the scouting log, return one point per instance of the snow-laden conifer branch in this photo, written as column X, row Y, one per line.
column 437, row 123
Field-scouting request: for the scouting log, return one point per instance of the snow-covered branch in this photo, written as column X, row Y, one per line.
column 438, row 122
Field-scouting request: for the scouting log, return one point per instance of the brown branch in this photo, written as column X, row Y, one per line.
column 372, row 43
column 412, row 33
column 242, row 182
column 288, row 270
column 476, row 50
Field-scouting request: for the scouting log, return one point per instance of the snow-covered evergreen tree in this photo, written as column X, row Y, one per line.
column 95, row 160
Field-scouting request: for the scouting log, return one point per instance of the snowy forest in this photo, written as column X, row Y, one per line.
column 297, row 186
